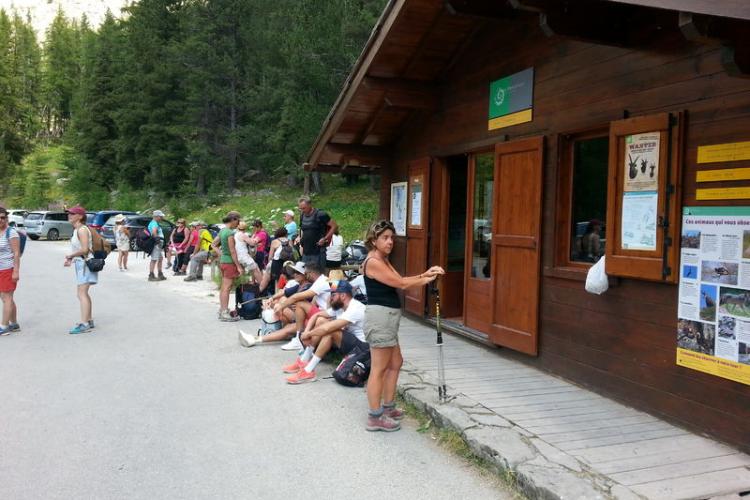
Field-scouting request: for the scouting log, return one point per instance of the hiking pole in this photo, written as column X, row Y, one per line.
column 442, row 391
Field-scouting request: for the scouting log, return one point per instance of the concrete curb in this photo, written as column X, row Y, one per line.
column 540, row 470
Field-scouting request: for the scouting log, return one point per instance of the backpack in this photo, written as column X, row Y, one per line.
column 144, row 240
column 99, row 246
column 21, row 237
column 287, row 251
column 247, row 306
column 354, row 368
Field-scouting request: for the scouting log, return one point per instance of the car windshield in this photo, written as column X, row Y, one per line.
column 35, row 216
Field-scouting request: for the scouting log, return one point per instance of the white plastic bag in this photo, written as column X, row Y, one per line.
column 596, row 279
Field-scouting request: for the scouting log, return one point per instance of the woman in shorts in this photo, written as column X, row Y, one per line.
column 80, row 248
column 10, row 267
column 122, row 238
column 382, row 317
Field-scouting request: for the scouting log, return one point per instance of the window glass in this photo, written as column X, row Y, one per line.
column 482, row 216
column 457, row 214
column 589, row 199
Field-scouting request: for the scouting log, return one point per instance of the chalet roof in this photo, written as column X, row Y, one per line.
column 416, row 42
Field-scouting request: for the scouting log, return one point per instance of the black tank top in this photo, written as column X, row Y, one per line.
column 380, row 294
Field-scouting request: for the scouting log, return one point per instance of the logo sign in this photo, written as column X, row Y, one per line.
column 511, row 100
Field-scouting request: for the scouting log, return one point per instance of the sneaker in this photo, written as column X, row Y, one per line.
column 191, row 278
column 293, row 345
column 79, row 328
column 161, row 277
column 247, row 340
column 4, row 331
column 91, row 324
column 199, row 278
column 294, row 367
column 382, row 423
column 394, row 413
column 14, row 327
column 151, row 277
column 225, row 316
column 301, row 377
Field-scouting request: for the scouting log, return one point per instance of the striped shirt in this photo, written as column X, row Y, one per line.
column 6, row 252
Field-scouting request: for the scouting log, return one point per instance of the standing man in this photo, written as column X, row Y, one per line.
column 10, row 267
column 228, row 262
column 316, row 230
column 290, row 225
column 157, row 253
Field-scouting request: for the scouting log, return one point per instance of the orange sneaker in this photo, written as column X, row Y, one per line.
column 301, row 377
column 294, row 367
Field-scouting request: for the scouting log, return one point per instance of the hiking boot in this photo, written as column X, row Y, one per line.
column 79, row 328
column 151, row 277
column 382, row 423
column 225, row 316
column 292, row 345
column 294, row 367
column 191, row 278
column 301, row 377
column 394, row 413
column 161, row 277
column 14, row 327
column 247, row 340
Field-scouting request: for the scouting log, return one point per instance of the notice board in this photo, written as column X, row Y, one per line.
column 713, row 313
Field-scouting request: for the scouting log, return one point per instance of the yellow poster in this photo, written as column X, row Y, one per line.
column 724, row 174
column 723, row 368
column 731, row 151
column 734, row 193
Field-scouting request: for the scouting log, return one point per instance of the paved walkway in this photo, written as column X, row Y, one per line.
column 646, row 455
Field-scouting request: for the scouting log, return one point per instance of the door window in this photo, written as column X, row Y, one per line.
column 484, row 167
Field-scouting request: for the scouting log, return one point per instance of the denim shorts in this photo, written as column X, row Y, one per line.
column 381, row 326
column 83, row 275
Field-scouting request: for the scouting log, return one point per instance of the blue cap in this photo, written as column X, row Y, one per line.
column 342, row 286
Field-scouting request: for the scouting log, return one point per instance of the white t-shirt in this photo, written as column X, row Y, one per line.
column 355, row 315
column 321, row 287
column 358, row 284
column 333, row 251
column 6, row 252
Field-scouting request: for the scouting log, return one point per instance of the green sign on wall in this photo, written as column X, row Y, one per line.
column 511, row 99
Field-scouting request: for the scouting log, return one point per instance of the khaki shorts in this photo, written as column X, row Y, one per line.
column 381, row 326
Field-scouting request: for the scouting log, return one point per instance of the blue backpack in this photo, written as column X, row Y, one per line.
column 248, row 301
column 21, row 236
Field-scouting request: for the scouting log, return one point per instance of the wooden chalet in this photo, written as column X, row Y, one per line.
column 502, row 202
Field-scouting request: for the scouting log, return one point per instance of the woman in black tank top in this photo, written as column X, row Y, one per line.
column 382, row 317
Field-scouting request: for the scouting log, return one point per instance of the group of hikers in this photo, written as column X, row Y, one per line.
column 314, row 308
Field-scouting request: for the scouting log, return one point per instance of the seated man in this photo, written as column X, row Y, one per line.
column 201, row 254
column 343, row 327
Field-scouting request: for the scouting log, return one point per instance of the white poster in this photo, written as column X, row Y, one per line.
column 642, row 162
column 416, row 206
column 398, row 207
column 713, row 324
column 639, row 220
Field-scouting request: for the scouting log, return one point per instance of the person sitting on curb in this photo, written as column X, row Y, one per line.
column 228, row 263
column 201, row 254
column 344, row 329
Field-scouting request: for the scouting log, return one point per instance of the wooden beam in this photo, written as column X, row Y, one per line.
column 408, row 100
column 485, row 9
column 406, row 94
column 576, row 21
column 364, row 155
column 734, row 34
column 397, row 85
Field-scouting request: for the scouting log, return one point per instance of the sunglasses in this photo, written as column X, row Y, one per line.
column 3, row 217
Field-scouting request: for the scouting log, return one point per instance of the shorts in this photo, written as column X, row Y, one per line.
column 381, row 326
column 156, row 253
column 229, row 271
column 313, row 311
column 249, row 264
column 83, row 275
column 349, row 341
column 7, row 284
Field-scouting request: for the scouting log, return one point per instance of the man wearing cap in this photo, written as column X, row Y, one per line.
column 341, row 326
column 228, row 263
column 157, row 253
column 201, row 253
column 290, row 225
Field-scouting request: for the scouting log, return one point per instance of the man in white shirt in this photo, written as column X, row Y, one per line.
column 342, row 326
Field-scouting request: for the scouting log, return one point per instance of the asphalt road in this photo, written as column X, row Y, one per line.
column 161, row 402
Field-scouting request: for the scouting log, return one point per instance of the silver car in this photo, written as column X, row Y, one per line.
column 50, row 225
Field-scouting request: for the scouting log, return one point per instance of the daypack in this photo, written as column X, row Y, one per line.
column 247, row 306
column 21, row 237
column 287, row 251
column 144, row 240
column 354, row 368
column 99, row 246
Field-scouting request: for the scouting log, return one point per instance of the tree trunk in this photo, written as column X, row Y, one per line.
column 317, row 182
column 307, row 184
column 200, row 184
column 232, row 166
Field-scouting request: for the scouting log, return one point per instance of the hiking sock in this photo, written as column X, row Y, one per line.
column 375, row 413
column 389, row 406
column 307, row 354
column 312, row 364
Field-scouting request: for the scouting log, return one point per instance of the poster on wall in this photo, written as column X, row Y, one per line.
column 398, row 207
column 639, row 220
column 642, row 162
column 415, row 202
column 713, row 309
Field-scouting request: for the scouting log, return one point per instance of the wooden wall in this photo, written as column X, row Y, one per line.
column 622, row 343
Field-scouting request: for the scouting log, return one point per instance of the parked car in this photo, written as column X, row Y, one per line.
column 133, row 223
column 102, row 216
column 47, row 224
column 16, row 217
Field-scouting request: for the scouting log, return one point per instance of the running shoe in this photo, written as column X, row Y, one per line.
column 247, row 340
column 4, row 331
column 79, row 328
column 294, row 367
column 14, row 327
column 382, row 423
column 225, row 316
column 301, row 377
column 292, row 345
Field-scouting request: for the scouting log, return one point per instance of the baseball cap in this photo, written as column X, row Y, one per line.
column 78, row 210
column 299, row 267
column 289, row 213
column 342, row 286
column 158, row 213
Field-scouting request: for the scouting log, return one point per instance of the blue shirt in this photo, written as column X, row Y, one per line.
column 155, row 225
column 291, row 230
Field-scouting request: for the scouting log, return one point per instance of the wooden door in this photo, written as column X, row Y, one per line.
column 516, row 244
column 417, row 224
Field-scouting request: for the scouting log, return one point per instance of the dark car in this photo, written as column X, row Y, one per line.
column 134, row 223
column 102, row 216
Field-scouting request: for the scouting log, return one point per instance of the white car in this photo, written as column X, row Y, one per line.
column 16, row 217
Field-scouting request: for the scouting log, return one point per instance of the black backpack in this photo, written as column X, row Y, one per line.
column 354, row 368
column 247, row 306
column 287, row 251
column 144, row 240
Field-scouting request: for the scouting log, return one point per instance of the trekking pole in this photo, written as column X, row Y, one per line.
column 442, row 391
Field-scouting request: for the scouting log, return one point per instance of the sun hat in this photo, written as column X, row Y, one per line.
column 299, row 267
column 289, row 213
column 158, row 213
column 119, row 218
column 77, row 210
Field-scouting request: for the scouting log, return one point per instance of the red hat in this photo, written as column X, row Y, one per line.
column 78, row 210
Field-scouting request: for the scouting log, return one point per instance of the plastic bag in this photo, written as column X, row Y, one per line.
column 596, row 280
